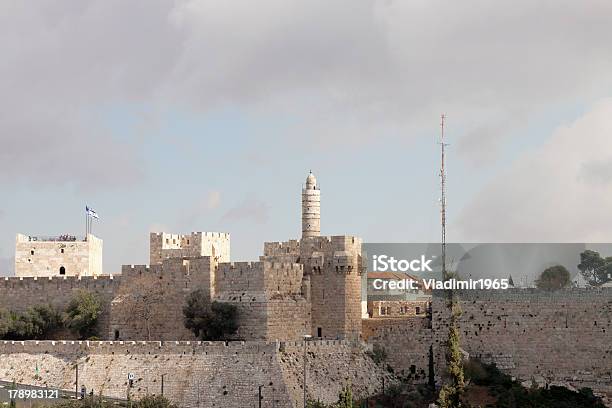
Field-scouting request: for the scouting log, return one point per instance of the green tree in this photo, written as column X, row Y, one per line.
column 83, row 312
column 36, row 323
column 44, row 320
column 555, row 277
column 452, row 392
column 216, row 321
column 594, row 268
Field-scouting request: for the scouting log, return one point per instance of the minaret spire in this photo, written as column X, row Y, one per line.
column 311, row 208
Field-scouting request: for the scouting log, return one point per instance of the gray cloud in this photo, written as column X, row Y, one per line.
column 384, row 68
column 7, row 267
column 249, row 209
column 546, row 195
column 597, row 172
column 201, row 206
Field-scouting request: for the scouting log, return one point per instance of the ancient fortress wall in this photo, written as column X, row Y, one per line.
column 126, row 314
column 406, row 342
column 223, row 375
column 198, row 374
column 43, row 257
column 17, row 293
column 557, row 336
column 279, row 250
column 334, row 266
column 332, row 365
column 269, row 298
column 166, row 245
column 149, row 303
column 553, row 337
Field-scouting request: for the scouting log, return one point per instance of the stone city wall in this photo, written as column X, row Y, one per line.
column 554, row 337
column 406, row 342
column 149, row 303
column 559, row 336
column 18, row 294
column 269, row 298
column 198, row 374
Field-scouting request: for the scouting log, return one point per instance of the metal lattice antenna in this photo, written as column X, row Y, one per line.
column 443, row 194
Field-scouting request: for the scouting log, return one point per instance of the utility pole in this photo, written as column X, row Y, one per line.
column 76, row 385
column 260, row 397
column 162, row 384
column 443, row 194
column 306, row 337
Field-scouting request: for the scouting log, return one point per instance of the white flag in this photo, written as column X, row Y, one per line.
column 91, row 212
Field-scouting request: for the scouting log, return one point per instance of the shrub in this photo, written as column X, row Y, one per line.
column 82, row 313
column 345, row 399
column 154, row 401
column 216, row 321
column 555, row 277
column 36, row 323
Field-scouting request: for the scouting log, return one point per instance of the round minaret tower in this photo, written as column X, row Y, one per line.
column 311, row 208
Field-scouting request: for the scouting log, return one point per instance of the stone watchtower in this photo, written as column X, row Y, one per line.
column 63, row 255
column 311, row 208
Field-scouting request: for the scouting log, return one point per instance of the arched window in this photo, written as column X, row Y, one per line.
column 62, row 270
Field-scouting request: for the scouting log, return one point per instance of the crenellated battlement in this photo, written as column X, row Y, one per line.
column 136, row 347
column 165, row 245
column 291, row 247
column 40, row 283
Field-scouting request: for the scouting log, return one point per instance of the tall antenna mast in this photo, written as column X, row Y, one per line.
column 443, row 194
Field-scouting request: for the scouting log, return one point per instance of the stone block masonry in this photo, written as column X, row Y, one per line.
column 18, row 294
column 197, row 374
column 269, row 298
column 555, row 337
column 149, row 303
column 57, row 256
column 165, row 245
column 552, row 336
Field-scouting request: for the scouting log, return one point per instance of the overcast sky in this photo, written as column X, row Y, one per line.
column 207, row 115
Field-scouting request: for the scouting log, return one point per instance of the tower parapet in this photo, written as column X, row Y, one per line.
column 164, row 245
